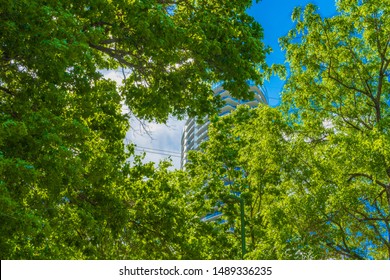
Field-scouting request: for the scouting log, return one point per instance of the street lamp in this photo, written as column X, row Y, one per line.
column 243, row 245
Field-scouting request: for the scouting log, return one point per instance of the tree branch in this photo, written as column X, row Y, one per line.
column 113, row 54
column 347, row 86
column 110, row 41
column 6, row 90
column 354, row 175
column 364, row 81
column 345, row 248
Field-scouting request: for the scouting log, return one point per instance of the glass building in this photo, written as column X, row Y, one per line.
column 195, row 133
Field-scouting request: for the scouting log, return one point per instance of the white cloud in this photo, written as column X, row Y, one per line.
column 164, row 139
column 151, row 135
column 115, row 75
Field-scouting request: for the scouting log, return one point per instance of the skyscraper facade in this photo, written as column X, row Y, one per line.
column 195, row 133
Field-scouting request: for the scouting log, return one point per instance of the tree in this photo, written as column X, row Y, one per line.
column 244, row 159
column 64, row 169
column 319, row 164
column 338, row 98
column 164, row 221
column 173, row 50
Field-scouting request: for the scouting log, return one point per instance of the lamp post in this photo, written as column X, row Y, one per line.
column 243, row 245
column 238, row 196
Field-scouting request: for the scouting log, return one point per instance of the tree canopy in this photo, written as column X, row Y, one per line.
column 339, row 92
column 318, row 166
column 68, row 188
column 313, row 174
column 172, row 50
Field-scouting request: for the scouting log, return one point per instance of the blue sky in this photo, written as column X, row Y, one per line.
column 275, row 18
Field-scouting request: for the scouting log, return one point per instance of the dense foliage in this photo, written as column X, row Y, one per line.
column 67, row 187
column 339, row 90
column 314, row 173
